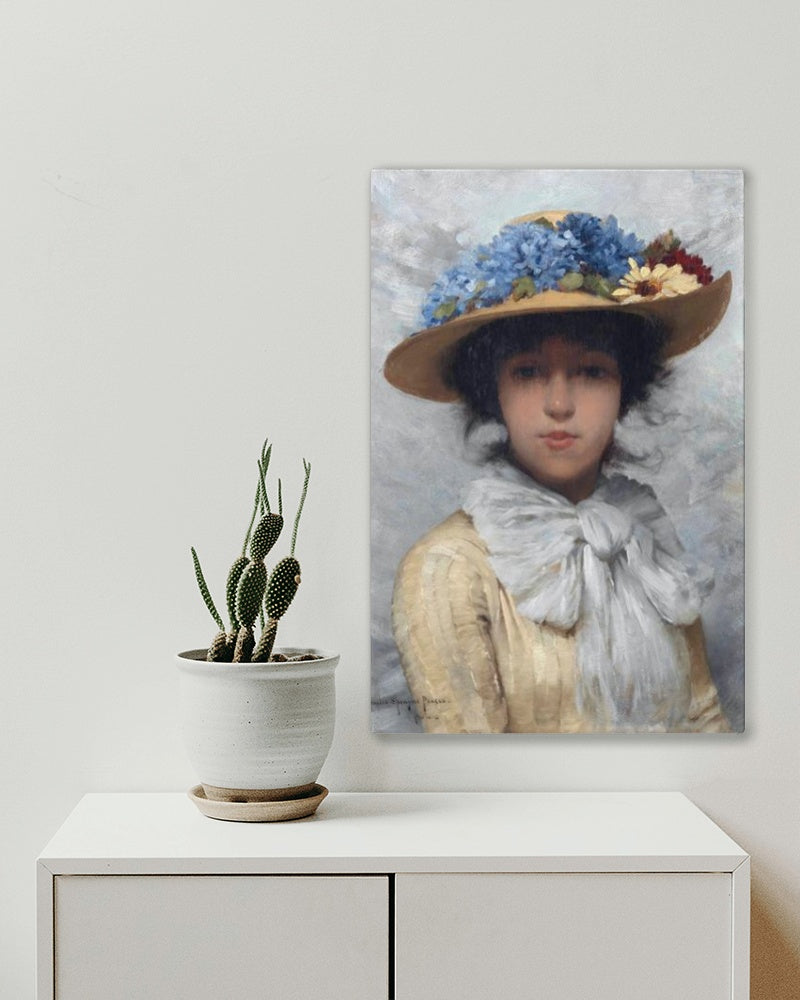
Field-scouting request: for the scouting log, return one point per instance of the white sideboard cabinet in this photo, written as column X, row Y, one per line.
column 395, row 896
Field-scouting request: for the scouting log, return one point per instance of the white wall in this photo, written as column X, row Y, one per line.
column 184, row 268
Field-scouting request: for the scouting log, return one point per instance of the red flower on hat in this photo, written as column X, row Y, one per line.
column 691, row 264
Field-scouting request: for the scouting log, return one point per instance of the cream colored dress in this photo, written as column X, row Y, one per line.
column 475, row 665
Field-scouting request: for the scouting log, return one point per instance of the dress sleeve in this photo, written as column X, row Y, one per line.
column 441, row 614
column 705, row 711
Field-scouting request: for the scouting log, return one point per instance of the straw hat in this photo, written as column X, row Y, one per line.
column 552, row 262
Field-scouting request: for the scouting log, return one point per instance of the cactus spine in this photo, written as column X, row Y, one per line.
column 251, row 591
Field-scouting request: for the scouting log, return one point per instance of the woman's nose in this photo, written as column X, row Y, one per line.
column 558, row 397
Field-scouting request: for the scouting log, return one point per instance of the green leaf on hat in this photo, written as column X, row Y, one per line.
column 542, row 221
column 596, row 285
column 446, row 309
column 571, row 282
column 472, row 303
column 522, row 288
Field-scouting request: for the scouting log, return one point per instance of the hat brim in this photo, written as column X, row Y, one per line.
column 415, row 365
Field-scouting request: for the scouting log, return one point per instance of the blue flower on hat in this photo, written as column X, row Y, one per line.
column 525, row 249
column 604, row 247
column 451, row 292
column 526, row 258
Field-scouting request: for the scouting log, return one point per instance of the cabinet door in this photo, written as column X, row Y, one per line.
column 563, row 936
column 204, row 937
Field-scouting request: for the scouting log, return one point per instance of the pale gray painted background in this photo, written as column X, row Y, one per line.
column 421, row 221
column 185, row 265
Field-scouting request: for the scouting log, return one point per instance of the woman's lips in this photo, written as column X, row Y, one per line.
column 558, row 440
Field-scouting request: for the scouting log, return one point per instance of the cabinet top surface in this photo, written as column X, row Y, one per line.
column 397, row 831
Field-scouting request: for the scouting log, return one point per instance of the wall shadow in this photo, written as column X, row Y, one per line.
column 774, row 959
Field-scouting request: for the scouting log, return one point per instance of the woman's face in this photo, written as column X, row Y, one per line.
column 560, row 402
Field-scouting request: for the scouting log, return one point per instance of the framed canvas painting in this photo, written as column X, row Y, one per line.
column 557, row 451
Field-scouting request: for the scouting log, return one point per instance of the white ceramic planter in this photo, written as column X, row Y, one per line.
column 257, row 731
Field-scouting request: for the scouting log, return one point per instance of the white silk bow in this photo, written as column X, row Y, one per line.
column 612, row 568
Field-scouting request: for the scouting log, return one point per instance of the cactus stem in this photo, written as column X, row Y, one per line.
column 230, row 644
column 307, row 468
column 263, row 466
column 280, row 499
column 234, row 575
column 263, row 650
column 262, row 500
column 245, row 642
column 204, row 591
column 252, row 520
column 218, row 649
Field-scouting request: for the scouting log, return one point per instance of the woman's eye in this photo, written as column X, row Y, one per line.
column 595, row 372
column 527, row 371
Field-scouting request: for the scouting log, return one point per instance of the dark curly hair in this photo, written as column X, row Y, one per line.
column 635, row 342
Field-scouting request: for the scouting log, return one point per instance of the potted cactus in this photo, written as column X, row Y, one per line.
column 257, row 721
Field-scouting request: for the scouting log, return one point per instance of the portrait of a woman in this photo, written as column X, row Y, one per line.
column 557, row 596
